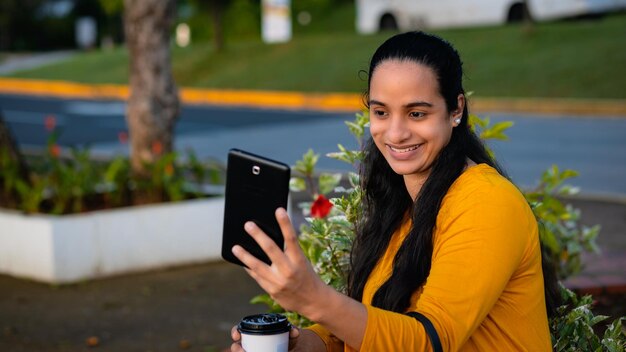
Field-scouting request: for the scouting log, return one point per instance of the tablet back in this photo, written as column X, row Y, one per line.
column 255, row 188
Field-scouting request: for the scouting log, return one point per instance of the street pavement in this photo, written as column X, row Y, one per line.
column 592, row 145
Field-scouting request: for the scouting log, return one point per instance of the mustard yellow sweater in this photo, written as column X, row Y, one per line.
column 485, row 289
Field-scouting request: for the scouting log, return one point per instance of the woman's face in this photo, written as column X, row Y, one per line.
column 409, row 120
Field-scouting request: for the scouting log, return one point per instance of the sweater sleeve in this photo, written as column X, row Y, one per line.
column 333, row 344
column 479, row 242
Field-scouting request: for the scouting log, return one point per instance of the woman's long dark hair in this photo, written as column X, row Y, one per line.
column 386, row 200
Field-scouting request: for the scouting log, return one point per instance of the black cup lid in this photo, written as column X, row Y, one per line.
column 264, row 324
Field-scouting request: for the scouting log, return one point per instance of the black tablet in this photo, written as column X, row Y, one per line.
column 255, row 187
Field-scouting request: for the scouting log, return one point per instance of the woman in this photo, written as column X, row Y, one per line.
column 444, row 233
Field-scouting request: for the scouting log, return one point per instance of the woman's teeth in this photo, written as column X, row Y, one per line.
column 404, row 150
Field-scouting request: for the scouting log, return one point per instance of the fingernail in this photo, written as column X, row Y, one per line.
column 281, row 212
column 249, row 226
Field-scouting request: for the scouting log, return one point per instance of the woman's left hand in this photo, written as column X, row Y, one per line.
column 290, row 280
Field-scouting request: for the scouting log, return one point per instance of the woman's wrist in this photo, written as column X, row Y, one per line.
column 329, row 305
column 341, row 315
column 317, row 308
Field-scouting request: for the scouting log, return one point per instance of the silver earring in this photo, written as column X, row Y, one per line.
column 457, row 120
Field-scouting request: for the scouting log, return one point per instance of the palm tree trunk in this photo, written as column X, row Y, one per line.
column 153, row 105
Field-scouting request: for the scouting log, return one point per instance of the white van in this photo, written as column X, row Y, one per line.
column 375, row 15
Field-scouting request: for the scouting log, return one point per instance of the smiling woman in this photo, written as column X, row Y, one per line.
column 410, row 122
column 445, row 237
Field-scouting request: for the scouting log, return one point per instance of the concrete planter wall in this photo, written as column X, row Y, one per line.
column 69, row 248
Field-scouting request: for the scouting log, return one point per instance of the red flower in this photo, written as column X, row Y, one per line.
column 122, row 136
column 169, row 169
column 321, row 207
column 55, row 150
column 157, row 148
column 50, row 123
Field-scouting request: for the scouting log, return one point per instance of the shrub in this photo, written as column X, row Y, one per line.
column 73, row 182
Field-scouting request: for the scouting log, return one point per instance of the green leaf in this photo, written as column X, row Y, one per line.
column 597, row 319
column 306, row 165
column 549, row 239
column 356, row 129
column 297, row 184
column 568, row 174
column 497, row 131
column 328, row 182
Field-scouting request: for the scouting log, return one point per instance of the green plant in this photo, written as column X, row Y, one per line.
column 62, row 183
column 559, row 227
column 326, row 240
column 116, row 179
column 572, row 329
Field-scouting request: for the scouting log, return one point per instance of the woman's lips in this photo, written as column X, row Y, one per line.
column 403, row 152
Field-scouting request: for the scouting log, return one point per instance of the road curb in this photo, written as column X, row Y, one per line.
column 340, row 102
column 247, row 98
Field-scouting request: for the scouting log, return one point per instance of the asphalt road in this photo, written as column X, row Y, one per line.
column 594, row 146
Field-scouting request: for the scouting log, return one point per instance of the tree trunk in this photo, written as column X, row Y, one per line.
column 153, row 105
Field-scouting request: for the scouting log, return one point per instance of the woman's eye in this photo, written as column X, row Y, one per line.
column 416, row 114
column 380, row 113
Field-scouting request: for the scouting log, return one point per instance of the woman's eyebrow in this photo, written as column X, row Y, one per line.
column 409, row 105
column 418, row 104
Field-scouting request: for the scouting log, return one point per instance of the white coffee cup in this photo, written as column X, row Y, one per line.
column 264, row 333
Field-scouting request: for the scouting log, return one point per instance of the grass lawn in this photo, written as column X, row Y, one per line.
column 583, row 58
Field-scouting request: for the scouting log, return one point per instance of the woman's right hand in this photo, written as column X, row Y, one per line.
column 299, row 340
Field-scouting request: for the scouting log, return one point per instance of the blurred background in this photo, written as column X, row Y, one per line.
column 275, row 77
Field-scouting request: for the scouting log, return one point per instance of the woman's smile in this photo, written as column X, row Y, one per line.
column 403, row 152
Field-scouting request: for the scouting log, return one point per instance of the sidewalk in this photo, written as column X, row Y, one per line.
column 19, row 62
column 604, row 272
column 193, row 308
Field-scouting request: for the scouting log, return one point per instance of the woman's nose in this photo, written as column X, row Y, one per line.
column 398, row 130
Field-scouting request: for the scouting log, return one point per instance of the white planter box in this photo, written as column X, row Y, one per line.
column 69, row 248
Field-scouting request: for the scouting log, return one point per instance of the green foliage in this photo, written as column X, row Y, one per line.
column 70, row 181
column 357, row 129
column 559, row 226
column 116, row 177
column 112, row 7
column 572, row 329
column 325, row 16
column 74, row 183
column 327, row 241
column 482, row 127
column 243, row 19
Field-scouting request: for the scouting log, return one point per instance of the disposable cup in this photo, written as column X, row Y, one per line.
column 264, row 333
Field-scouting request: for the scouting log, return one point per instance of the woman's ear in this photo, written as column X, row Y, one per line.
column 457, row 114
